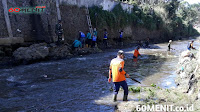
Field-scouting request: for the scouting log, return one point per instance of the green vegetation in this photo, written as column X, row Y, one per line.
column 180, row 18
column 118, row 18
column 153, row 85
column 173, row 19
column 134, row 89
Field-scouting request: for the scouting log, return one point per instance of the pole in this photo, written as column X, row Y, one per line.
column 7, row 19
column 58, row 9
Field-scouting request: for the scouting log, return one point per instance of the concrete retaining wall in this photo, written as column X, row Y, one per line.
column 11, row 40
column 106, row 4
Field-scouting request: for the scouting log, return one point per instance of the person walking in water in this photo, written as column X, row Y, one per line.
column 118, row 75
column 136, row 54
column 169, row 45
column 190, row 46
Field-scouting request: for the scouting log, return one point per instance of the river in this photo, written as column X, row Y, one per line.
column 78, row 84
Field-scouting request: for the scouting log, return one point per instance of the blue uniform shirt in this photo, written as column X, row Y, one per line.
column 77, row 43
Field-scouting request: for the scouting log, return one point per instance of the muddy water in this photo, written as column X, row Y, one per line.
column 78, row 83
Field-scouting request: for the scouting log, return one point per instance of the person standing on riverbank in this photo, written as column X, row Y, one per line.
column 89, row 39
column 105, row 38
column 95, row 34
column 82, row 38
column 118, row 75
column 94, row 39
column 59, row 31
column 120, row 38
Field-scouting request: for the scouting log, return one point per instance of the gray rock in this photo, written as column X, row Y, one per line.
column 35, row 51
column 188, row 70
column 183, row 75
column 57, row 52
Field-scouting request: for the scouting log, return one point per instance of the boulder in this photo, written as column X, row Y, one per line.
column 61, row 51
column 35, row 51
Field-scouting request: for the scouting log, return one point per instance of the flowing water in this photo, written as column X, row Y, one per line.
column 79, row 84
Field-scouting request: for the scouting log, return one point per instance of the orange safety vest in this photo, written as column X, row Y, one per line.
column 115, row 65
column 136, row 53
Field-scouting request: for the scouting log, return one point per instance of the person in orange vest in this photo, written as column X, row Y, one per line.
column 118, row 75
column 136, row 54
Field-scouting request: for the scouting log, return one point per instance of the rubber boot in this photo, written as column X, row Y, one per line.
column 115, row 98
column 125, row 98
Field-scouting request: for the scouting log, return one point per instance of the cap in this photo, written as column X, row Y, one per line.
column 120, row 52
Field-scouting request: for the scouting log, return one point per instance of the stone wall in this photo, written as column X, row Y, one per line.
column 41, row 27
column 32, row 27
column 73, row 20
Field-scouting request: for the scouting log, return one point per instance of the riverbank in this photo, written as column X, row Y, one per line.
column 42, row 52
column 186, row 94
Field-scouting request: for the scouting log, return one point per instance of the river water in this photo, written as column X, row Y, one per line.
column 78, row 84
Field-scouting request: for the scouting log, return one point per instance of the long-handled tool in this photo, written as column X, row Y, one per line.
column 135, row 80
